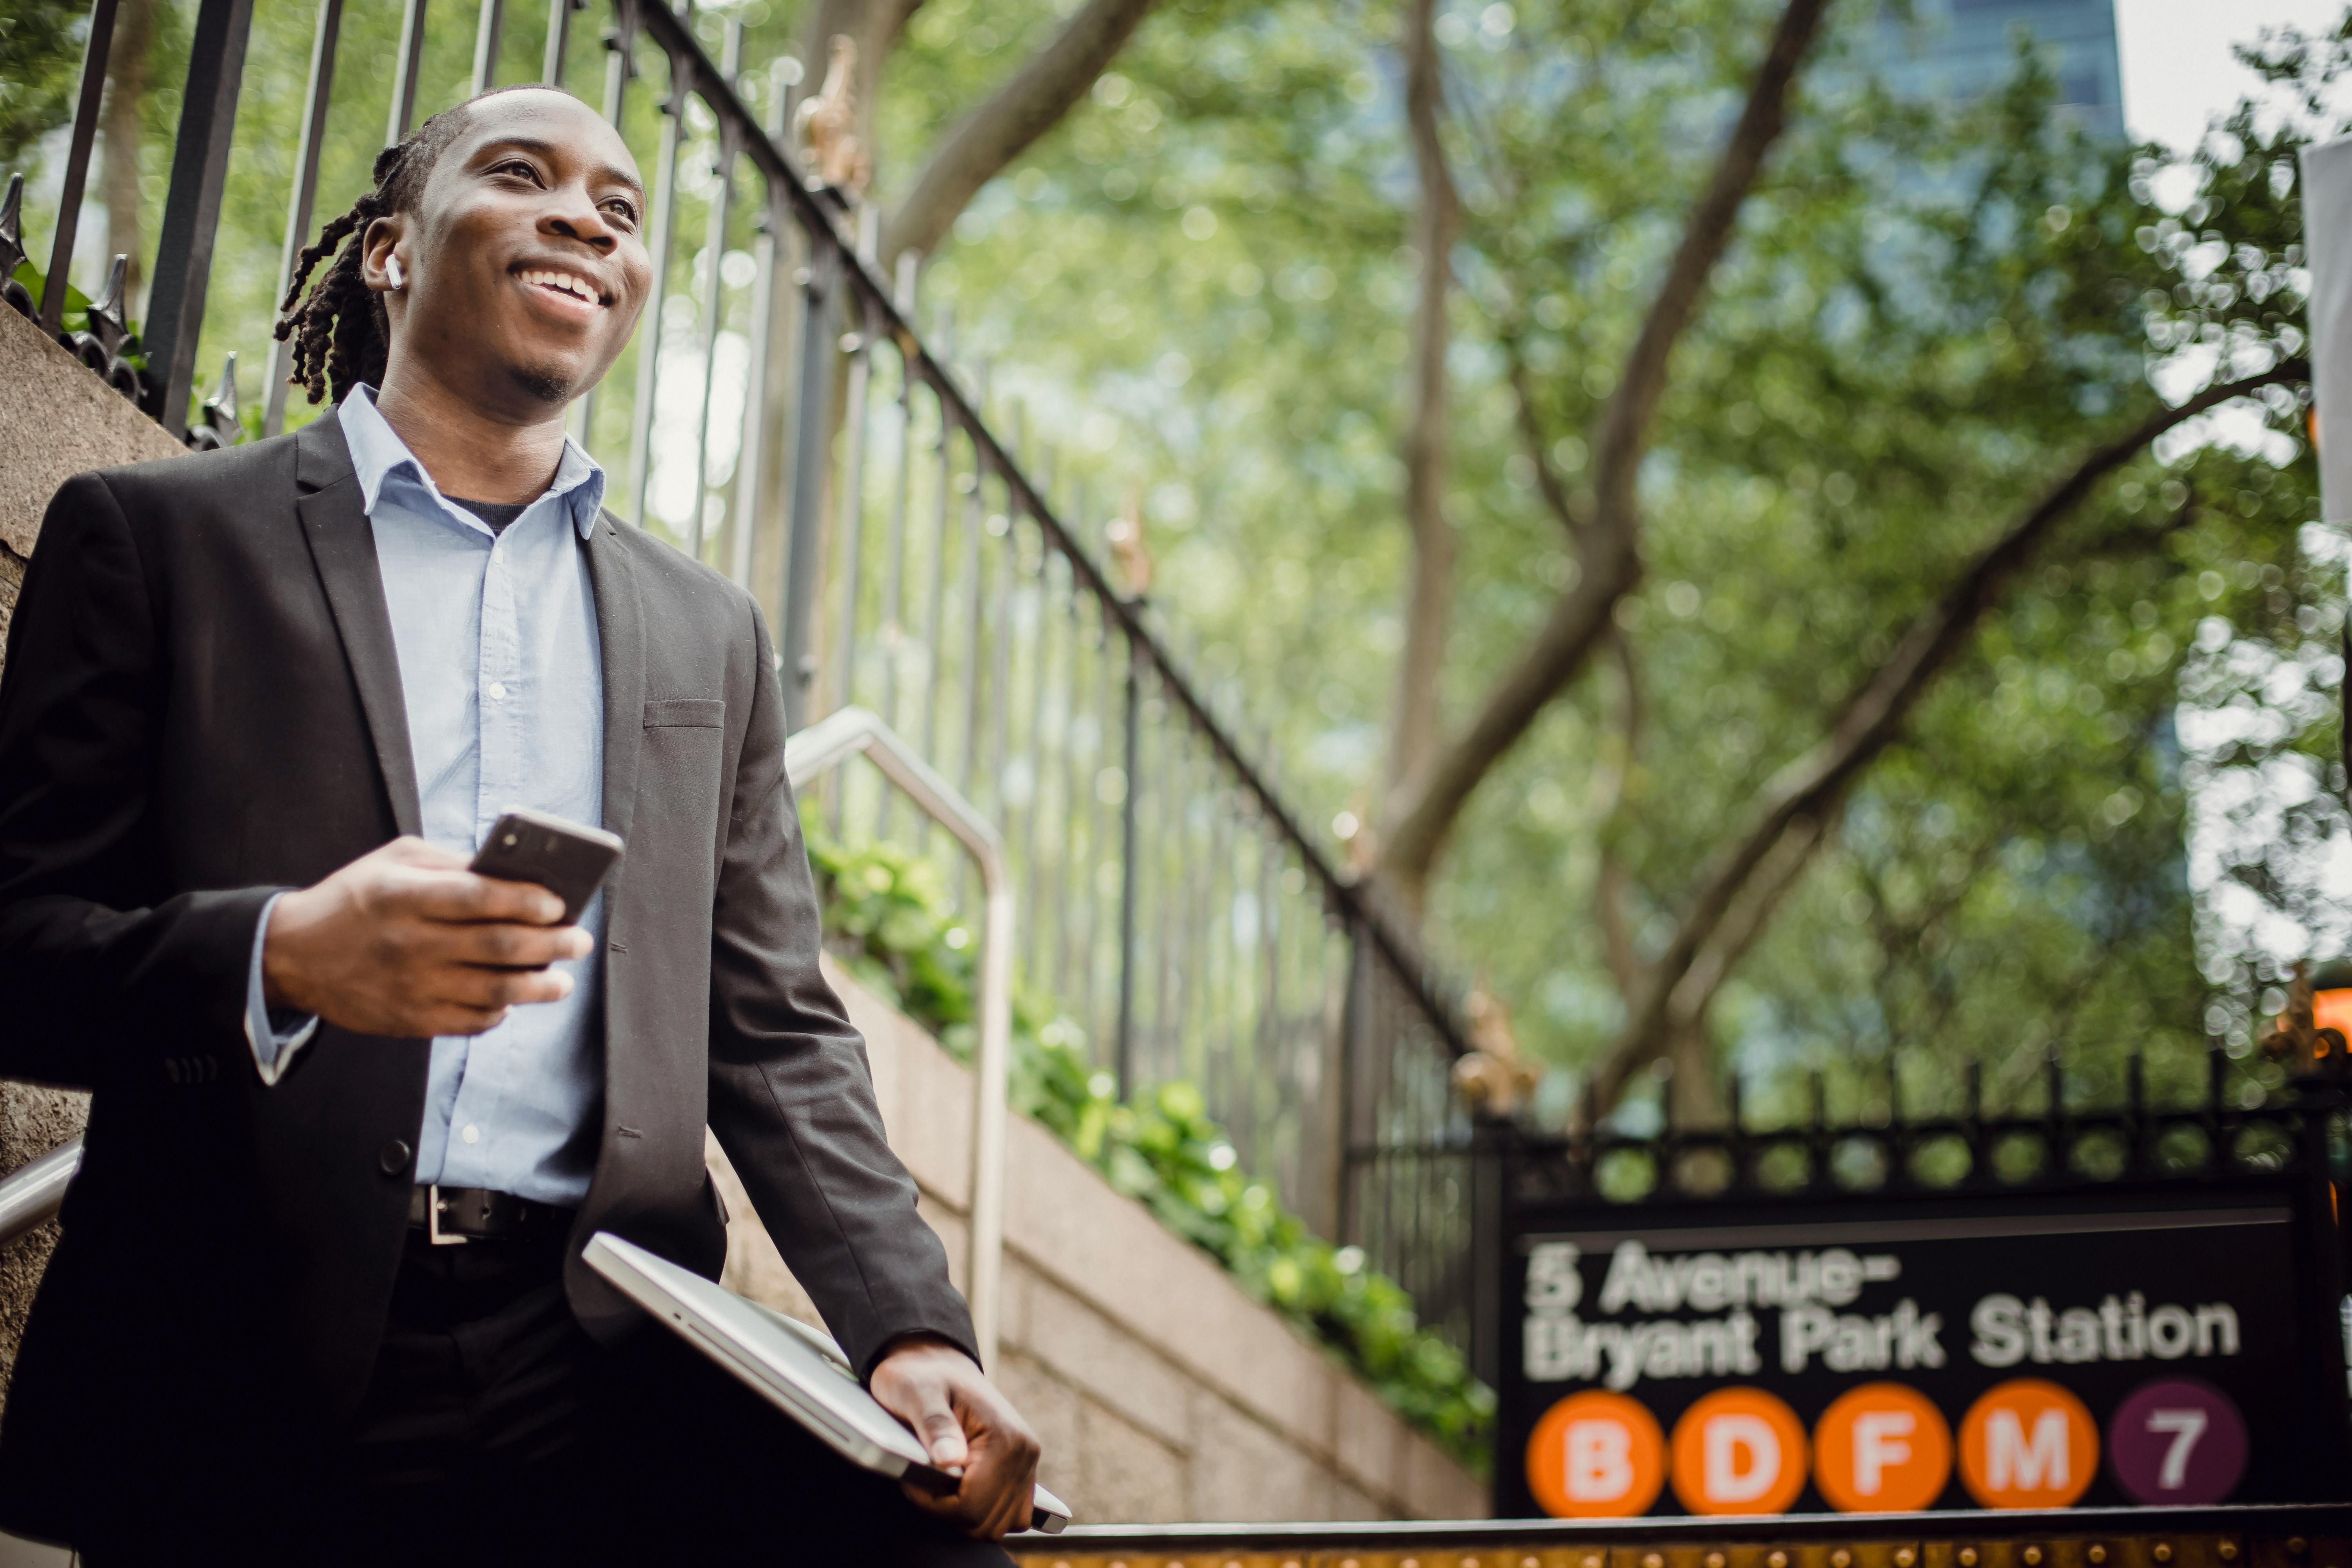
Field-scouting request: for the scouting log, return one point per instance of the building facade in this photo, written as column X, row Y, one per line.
column 1957, row 49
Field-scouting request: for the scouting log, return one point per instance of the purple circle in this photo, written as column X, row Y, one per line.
column 2177, row 1440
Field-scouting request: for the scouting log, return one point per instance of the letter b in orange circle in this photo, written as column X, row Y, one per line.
column 1882, row 1448
column 2028, row 1443
column 1738, row 1450
column 1596, row 1454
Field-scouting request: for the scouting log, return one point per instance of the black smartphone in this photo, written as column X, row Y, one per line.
column 570, row 859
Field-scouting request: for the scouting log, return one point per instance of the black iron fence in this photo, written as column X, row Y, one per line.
column 781, row 417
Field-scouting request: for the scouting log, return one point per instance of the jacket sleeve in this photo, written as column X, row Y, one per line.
column 110, row 977
column 792, row 1099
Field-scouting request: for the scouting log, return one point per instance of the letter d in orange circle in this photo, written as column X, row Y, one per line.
column 1596, row 1454
column 1738, row 1450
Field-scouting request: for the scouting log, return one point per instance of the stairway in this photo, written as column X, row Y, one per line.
column 2287, row 1536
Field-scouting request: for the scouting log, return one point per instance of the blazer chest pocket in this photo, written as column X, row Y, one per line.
column 686, row 713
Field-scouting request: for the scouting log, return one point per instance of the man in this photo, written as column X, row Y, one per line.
column 319, row 1295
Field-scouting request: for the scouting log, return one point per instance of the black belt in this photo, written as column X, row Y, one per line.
column 452, row 1215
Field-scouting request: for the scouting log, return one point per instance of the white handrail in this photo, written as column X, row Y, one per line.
column 827, row 743
column 33, row 1194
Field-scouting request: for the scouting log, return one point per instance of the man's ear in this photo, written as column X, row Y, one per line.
column 377, row 248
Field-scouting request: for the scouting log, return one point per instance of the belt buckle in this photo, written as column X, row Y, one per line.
column 433, row 1207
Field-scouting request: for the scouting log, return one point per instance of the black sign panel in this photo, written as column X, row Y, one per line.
column 1999, row 1352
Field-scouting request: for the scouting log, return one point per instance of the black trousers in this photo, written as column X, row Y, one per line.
column 495, row 1431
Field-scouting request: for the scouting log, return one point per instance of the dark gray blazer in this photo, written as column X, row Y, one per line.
column 202, row 705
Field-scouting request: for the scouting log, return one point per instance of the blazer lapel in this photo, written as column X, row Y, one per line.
column 620, row 631
column 628, row 1074
column 342, row 547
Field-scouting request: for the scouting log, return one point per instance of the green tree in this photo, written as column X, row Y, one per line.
column 1933, row 321
column 42, row 43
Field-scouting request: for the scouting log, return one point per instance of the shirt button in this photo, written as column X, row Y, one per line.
column 472, row 1134
column 498, row 692
column 392, row 1158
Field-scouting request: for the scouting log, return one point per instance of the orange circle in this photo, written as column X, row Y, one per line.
column 1596, row 1454
column 1738, row 1450
column 2028, row 1443
column 1882, row 1448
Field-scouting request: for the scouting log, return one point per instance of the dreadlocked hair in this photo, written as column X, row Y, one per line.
column 340, row 332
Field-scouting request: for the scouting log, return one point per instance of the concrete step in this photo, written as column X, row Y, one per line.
column 19, row 1553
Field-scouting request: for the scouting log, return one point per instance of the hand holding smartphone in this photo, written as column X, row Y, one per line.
column 570, row 859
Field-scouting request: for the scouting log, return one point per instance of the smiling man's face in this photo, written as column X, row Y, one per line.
column 524, row 268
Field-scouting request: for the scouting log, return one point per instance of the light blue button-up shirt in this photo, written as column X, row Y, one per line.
column 503, row 676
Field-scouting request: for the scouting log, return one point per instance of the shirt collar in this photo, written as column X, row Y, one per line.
column 378, row 454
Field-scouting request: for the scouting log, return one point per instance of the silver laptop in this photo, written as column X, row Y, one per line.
column 801, row 1371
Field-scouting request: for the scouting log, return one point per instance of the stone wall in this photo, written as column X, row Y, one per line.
column 56, row 419
column 1161, row 1391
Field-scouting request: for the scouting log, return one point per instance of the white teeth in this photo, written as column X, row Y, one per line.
column 577, row 287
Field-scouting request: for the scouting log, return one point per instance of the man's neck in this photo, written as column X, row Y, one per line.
column 479, row 454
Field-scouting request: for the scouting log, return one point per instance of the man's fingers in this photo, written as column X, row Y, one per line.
column 937, row 1390
column 501, row 988
column 408, row 851
column 492, row 944
column 1021, row 1494
column 460, row 895
column 502, row 945
column 950, row 1508
column 941, row 1433
column 998, row 1515
column 999, row 1478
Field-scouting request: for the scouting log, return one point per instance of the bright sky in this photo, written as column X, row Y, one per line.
column 2177, row 68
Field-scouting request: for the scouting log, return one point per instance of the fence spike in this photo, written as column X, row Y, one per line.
column 12, row 248
column 219, row 424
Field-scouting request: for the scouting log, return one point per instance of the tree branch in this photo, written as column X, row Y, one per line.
column 1810, row 786
column 1748, row 918
column 1625, row 422
column 1614, row 880
column 1024, row 108
column 1412, row 736
column 1548, row 484
column 1611, row 558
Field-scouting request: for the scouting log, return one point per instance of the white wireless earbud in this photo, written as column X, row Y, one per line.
column 392, row 270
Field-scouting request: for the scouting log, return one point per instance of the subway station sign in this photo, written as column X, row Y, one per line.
column 1950, row 1355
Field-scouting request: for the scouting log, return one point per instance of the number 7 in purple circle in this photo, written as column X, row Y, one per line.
column 2177, row 1440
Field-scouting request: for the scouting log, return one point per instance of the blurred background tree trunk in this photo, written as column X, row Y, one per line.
column 128, row 69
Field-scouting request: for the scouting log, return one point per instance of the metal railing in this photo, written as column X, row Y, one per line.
column 31, row 1194
column 817, row 751
column 1185, row 919
column 2260, row 1535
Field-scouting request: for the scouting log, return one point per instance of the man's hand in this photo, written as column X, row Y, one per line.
column 967, row 1426
column 405, row 940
